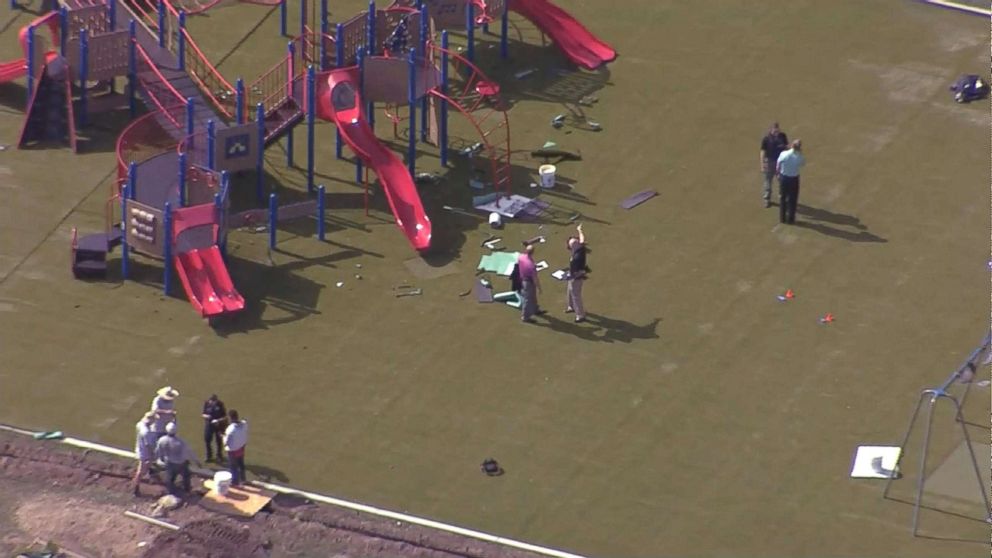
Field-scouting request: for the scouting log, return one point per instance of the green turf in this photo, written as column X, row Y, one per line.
column 695, row 415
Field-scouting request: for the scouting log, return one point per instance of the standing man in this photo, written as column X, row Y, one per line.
column 176, row 454
column 789, row 163
column 577, row 273
column 235, row 440
column 530, row 285
column 772, row 146
column 144, row 449
column 214, row 422
column 164, row 407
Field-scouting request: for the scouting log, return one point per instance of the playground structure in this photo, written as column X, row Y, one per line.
column 174, row 203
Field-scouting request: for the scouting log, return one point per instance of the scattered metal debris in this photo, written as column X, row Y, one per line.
column 558, row 121
column 412, row 292
column 596, row 126
column 525, row 73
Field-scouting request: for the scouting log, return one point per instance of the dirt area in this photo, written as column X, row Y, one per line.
column 75, row 499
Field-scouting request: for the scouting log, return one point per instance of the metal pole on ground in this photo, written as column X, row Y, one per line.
column 182, row 179
column 260, row 152
column 283, row 16
column 504, row 31
column 338, row 63
column 84, row 70
column 132, row 70
column 443, row 132
column 320, row 212
column 273, row 219
column 239, row 101
column 167, row 251
column 182, row 42
column 311, row 124
column 292, row 94
column 411, row 153
column 161, row 23
column 470, row 31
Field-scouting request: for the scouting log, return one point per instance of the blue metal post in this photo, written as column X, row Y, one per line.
column 311, row 124
column 132, row 70
column 411, row 154
column 283, row 16
column 112, row 13
column 291, row 47
column 260, row 152
column 63, row 28
column 30, row 60
column 161, row 23
column 504, row 31
column 239, row 101
column 470, row 31
column 320, row 212
column 181, row 56
column 338, row 63
column 369, row 105
column 211, row 144
column 124, row 250
column 361, row 92
column 182, row 179
column 220, row 199
column 273, row 219
column 370, row 41
column 221, row 230
column 303, row 24
column 190, row 112
column 132, row 179
column 443, row 139
column 167, row 248
column 84, row 70
column 325, row 28
column 424, row 30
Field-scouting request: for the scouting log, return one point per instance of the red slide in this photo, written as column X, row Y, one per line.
column 574, row 40
column 338, row 101
column 207, row 283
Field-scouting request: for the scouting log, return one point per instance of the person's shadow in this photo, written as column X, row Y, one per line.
column 837, row 225
column 600, row 328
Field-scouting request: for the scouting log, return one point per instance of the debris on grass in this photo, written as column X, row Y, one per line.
column 525, row 73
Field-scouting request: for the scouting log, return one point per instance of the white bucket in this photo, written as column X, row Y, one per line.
column 547, row 173
column 222, row 481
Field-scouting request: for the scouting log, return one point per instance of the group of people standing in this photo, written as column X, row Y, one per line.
column 782, row 159
column 158, row 445
column 528, row 285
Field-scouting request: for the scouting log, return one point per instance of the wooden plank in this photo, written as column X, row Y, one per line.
column 244, row 501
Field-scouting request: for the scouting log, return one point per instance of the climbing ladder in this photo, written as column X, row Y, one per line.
column 477, row 97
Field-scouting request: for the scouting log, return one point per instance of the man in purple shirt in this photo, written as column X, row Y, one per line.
column 530, row 285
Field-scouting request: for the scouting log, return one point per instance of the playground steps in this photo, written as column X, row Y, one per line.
column 280, row 121
column 89, row 254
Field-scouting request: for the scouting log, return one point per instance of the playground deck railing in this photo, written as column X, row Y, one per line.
column 159, row 91
column 274, row 87
column 145, row 138
column 208, row 79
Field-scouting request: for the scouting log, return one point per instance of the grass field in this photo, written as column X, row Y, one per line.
column 694, row 415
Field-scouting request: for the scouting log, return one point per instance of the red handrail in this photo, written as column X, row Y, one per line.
column 154, row 69
column 206, row 76
column 125, row 138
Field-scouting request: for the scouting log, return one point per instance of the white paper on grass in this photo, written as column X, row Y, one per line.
column 559, row 275
column 875, row 462
column 541, row 265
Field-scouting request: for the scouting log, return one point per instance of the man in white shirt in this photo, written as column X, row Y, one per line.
column 787, row 168
column 235, row 440
column 144, row 448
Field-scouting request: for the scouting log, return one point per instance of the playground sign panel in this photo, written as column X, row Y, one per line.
column 236, row 148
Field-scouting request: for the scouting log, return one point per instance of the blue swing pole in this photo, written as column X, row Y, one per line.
column 443, row 125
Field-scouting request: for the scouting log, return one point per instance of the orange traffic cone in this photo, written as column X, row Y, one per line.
column 789, row 294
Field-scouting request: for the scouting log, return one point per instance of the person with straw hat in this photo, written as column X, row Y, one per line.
column 164, row 407
column 144, row 449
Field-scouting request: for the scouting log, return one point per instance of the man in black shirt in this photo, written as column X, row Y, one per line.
column 214, row 423
column 772, row 145
column 577, row 273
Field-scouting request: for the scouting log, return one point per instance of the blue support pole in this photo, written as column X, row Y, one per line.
column 239, row 101
column 112, row 13
column 84, row 70
column 132, row 70
column 320, row 212
column 504, row 32
column 311, row 124
column 63, row 28
column 167, row 248
column 303, row 23
column 291, row 47
column 132, row 180
column 124, row 247
column 220, row 199
column 260, row 152
column 411, row 153
column 211, row 144
column 30, row 53
column 221, row 230
column 425, row 30
column 470, row 31
column 190, row 112
column 283, row 16
column 361, row 93
column 325, row 28
column 182, row 179
column 370, row 41
column 370, row 105
column 273, row 219
column 338, row 63
column 443, row 139
column 161, row 23
column 181, row 56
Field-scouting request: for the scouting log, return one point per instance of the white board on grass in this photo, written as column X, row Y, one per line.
column 875, row 462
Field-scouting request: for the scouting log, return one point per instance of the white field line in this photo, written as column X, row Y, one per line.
column 962, row 7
